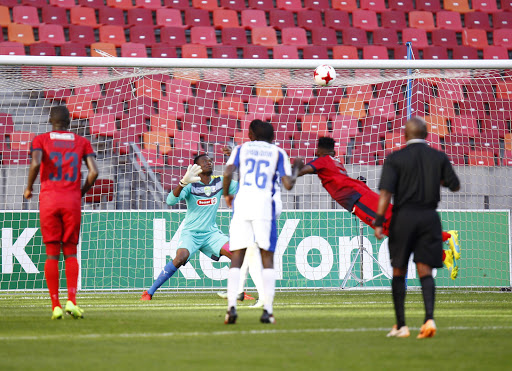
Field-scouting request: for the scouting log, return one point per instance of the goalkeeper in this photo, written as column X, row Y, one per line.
column 356, row 197
column 202, row 193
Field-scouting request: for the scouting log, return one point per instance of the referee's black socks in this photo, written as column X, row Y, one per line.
column 398, row 290
column 428, row 287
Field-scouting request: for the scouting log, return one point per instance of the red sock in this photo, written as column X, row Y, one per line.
column 446, row 236
column 71, row 270
column 51, row 272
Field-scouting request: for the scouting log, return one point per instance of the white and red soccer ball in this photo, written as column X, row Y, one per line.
column 324, row 75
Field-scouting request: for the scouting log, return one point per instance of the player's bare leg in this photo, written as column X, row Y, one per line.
column 170, row 268
column 269, row 286
column 428, row 289
column 237, row 260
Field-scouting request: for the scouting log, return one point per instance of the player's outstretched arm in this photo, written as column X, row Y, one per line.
column 92, row 174
column 226, row 182
column 35, row 164
column 289, row 181
column 191, row 176
column 306, row 169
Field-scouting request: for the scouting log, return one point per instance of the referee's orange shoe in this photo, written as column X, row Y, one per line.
column 428, row 330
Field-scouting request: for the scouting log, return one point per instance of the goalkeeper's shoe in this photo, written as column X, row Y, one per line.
column 222, row 294
column 402, row 332
column 231, row 316
column 428, row 330
column 74, row 310
column 267, row 318
column 258, row 304
column 449, row 262
column 453, row 242
column 57, row 313
column 146, row 296
column 243, row 296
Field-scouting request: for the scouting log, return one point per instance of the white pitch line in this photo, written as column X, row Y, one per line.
column 248, row 332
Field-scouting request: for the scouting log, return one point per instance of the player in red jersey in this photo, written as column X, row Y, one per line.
column 59, row 155
column 355, row 196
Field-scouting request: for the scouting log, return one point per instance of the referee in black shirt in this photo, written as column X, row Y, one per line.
column 414, row 175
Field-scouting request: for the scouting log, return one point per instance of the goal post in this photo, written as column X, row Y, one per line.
column 148, row 118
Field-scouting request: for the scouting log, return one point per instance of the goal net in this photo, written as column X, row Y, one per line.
column 147, row 123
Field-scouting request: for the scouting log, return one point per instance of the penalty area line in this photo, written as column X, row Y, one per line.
column 247, row 332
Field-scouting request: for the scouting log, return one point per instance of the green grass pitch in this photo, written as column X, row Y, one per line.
column 314, row 331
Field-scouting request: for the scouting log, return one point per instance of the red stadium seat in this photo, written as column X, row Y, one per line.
column 96, row 4
column 477, row 20
column 83, row 16
column 435, row 52
column 354, row 36
column 437, row 125
column 21, row 140
column 42, row 49
column 81, row 34
column 111, row 16
column 495, row 52
column 347, row 125
column 285, row 52
column 315, row 52
column 421, row 19
column 293, row 5
column 92, row 92
column 12, row 48
column 265, row 36
column 164, row 124
column 464, row 52
column 292, row 107
column 102, row 191
column 121, row 4
column 375, row 5
column 262, row 108
column 489, row 142
column 111, row 106
column 460, row 6
column 487, row 6
column 449, row 20
column 385, row 37
column 337, row 19
column 441, row 107
column 303, row 93
column 142, row 35
column 148, row 4
column 233, row 4
column 34, row 3
column 317, row 4
column 209, row 5
column 475, row 38
column 73, row 50
column 375, row 52
column 68, row 4
column 323, row 36
column 174, row 36
column 52, row 34
column 464, row 126
column 401, row 5
column 427, row 5
column 225, row 18
column 253, row 18
column 280, row 19
column 383, row 107
column 79, row 107
column 394, row 20
column 365, row 19
column 444, row 38
column 168, row 18
column 112, row 34
column 294, row 36
column 481, row 158
column 105, row 47
column 344, row 52
column 194, row 51
column 324, row 106
column 148, row 88
column 266, row 5
column 449, row 90
column 25, row 15
column 390, row 89
column 163, row 50
column 502, row 20
column 6, row 123
column 231, row 106
column 179, row 89
column 346, row 5
column 197, row 17
column 20, row 33
column 416, row 36
column 134, row 50
column 104, row 125
column 234, row 36
column 203, row 36
column 139, row 17
column 503, row 37
column 309, row 19
column 5, row 16
column 315, row 123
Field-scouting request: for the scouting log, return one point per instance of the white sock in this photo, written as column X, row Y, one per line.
column 269, row 284
column 233, row 278
column 256, row 268
column 244, row 270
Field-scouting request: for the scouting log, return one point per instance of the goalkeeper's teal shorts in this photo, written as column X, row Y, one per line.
column 209, row 243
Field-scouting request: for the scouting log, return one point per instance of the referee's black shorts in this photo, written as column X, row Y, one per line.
column 415, row 231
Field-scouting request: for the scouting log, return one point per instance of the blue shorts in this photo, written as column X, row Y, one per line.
column 209, row 243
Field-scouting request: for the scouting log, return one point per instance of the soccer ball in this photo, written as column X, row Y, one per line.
column 324, row 75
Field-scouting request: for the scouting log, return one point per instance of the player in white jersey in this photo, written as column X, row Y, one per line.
column 259, row 164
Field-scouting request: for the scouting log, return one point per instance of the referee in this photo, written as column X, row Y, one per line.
column 414, row 175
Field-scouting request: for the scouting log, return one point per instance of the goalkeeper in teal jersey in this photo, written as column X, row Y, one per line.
column 202, row 193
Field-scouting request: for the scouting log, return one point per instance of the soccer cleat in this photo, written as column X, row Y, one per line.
column 453, row 242
column 403, row 332
column 74, row 310
column 231, row 316
column 428, row 330
column 258, row 304
column 57, row 313
column 243, row 296
column 267, row 318
column 146, row 296
column 222, row 294
column 454, row 272
column 449, row 262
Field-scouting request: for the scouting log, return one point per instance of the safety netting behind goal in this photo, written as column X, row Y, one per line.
column 146, row 125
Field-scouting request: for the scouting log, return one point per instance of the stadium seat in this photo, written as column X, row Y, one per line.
column 104, row 125
column 234, row 36
column 305, row 94
column 385, row 37
column 197, row 17
column 315, row 52
column 317, row 4
column 35, row 3
column 464, row 52
column 148, row 88
column 346, row 5
column 315, row 123
column 237, row 5
column 133, row 50
column 143, row 35
column 459, row 6
column 177, row 4
column 344, row 52
column 481, row 158
column 309, row 19
column 382, row 107
column 285, row 52
column 444, row 38
column 25, row 15
column 224, row 51
column 6, row 123
column 79, row 107
column 168, row 18
column 186, row 140
column 474, row 38
column 375, row 5
column 163, row 50
column 255, row 52
column 5, row 16
column 42, row 49
column 104, row 47
column 291, row 107
column 437, row 125
column 262, row 108
column 172, row 106
column 394, row 20
column 390, row 89
column 21, row 33
column 350, row 107
column 120, row 4
column 96, row 4
column 272, row 91
column 354, row 37
column 345, row 126
column 92, row 92
column 203, row 36
column 441, row 107
column 422, row 19
column 179, row 89
column 449, row 20
column 157, row 141
column 323, row 36
column 449, row 90
column 486, row 6
column 148, row 4
column 112, row 34
column 83, row 16
column 394, row 140
column 280, row 19
column 110, row 105
column 81, row 34
column 495, row 52
column 502, row 20
column 12, row 48
column 502, row 37
column 464, row 126
column 102, row 191
column 21, row 140
column 416, row 36
column 52, row 34
column 365, row 19
column 323, row 105
column 209, row 5
column 292, row 5
column 427, row 5
column 225, row 18
column 111, row 16
column 73, row 50
column 435, row 52
column 174, row 36
column 337, row 19
column 139, row 17
column 375, row 52
column 477, row 20
column 253, row 18
column 265, row 5
column 265, row 36
column 489, row 141
column 500, row 109
column 67, row 4
column 231, row 106
column 401, row 5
